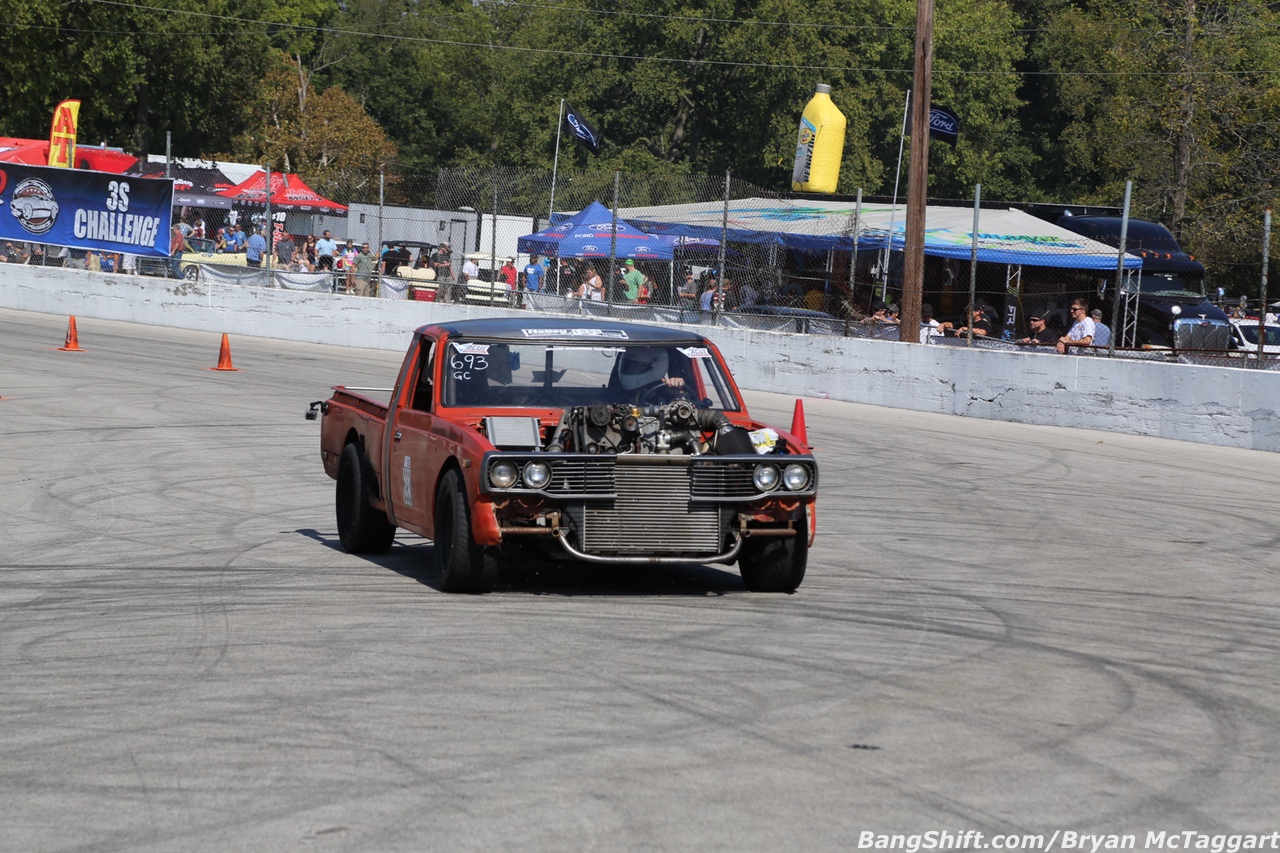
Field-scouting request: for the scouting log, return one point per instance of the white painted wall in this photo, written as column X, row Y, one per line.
column 1213, row 405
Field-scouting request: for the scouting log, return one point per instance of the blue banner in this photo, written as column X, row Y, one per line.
column 86, row 210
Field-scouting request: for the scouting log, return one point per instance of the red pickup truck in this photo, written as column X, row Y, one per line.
column 569, row 439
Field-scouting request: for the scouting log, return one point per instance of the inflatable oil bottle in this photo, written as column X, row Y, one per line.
column 820, row 146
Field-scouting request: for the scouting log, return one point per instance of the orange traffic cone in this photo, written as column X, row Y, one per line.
column 224, row 355
column 73, row 339
column 797, row 423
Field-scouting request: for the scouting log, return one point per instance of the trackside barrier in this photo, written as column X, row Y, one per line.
column 1191, row 402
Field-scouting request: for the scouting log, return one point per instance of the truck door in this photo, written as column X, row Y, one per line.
column 410, row 477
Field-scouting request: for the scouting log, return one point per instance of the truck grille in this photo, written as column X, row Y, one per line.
column 652, row 513
column 581, row 476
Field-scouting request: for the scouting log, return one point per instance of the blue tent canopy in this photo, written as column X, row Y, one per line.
column 588, row 234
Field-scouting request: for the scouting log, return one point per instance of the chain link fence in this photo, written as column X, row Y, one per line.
column 719, row 251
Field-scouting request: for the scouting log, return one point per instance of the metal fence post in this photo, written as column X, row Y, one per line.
column 973, row 263
column 717, row 301
column 493, row 243
column 613, row 247
column 1117, row 295
column 1262, row 308
column 378, row 265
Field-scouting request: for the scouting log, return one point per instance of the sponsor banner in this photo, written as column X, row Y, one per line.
column 86, row 210
column 62, row 134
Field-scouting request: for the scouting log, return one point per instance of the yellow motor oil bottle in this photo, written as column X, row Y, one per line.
column 820, row 146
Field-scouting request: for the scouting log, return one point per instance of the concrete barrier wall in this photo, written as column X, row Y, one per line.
column 1213, row 405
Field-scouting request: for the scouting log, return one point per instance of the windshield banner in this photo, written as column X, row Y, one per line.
column 86, row 210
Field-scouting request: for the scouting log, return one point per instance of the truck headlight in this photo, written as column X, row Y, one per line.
column 502, row 474
column 795, row 477
column 537, row 475
column 766, row 477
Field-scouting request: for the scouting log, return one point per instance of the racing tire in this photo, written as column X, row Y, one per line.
column 774, row 565
column 191, row 273
column 362, row 528
column 460, row 564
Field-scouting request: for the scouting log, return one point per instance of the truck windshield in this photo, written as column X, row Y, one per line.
column 1167, row 284
column 493, row 374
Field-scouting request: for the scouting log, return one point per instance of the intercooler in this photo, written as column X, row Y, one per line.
column 652, row 513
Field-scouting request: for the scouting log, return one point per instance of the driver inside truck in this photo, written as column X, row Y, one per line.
column 651, row 375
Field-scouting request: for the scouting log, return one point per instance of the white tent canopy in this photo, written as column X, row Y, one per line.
column 1004, row 236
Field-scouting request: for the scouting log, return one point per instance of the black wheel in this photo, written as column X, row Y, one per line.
column 774, row 565
column 461, row 565
column 361, row 528
column 191, row 273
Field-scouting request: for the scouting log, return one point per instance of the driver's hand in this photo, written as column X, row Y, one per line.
column 673, row 381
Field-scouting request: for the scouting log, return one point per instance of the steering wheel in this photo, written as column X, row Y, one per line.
column 661, row 392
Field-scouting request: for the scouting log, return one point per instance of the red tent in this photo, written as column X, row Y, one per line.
column 35, row 152
column 288, row 192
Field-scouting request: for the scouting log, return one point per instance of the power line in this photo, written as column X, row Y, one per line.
column 492, row 46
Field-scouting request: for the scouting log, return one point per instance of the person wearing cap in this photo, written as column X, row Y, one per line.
column 1101, row 332
column 632, row 281
column 929, row 327
column 533, row 275
column 1040, row 332
column 442, row 262
column 981, row 325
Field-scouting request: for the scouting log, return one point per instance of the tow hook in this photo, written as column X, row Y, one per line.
column 319, row 407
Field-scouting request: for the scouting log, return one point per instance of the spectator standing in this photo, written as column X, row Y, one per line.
column 442, row 262
column 1101, row 332
column 309, row 250
column 238, row 239
column 709, row 294
column 198, row 230
column 929, row 327
column 285, row 250
column 362, row 268
column 592, row 287
column 1082, row 329
column 689, row 289
column 533, row 275
column 1040, row 331
column 326, row 248
column 982, row 327
column 177, row 245
column 255, row 249
column 508, row 273
column 469, row 270
column 346, row 260
column 633, row 281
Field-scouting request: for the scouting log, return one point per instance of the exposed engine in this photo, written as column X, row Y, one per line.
column 678, row 427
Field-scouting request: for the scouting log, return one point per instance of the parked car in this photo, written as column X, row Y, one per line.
column 574, row 439
column 1244, row 336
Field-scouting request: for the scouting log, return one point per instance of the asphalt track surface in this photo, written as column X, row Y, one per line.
column 1005, row 628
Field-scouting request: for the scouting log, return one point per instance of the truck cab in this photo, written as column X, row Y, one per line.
column 1173, row 306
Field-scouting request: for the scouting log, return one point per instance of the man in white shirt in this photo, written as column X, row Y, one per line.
column 326, row 248
column 469, row 270
column 929, row 327
column 1082, row 329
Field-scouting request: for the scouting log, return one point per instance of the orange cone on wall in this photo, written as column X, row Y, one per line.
column 224, row 355
column 73, row 339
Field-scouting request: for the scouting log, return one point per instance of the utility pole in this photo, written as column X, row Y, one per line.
column 917, row 176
